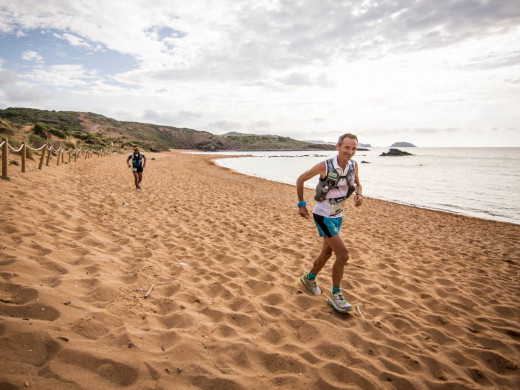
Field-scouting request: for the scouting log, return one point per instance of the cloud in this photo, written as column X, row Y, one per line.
column 7, row 77
column 170, row 118
column 74, row 40
column 260, row 124
column 64, row 76
column 494, row 60
column 322, row 30
column 164, row 33
column 429, row 130
column 31, row 55
column 305, row 79
column 26, row 96
column 307, row 67
column 242, row 40
column 224, row 125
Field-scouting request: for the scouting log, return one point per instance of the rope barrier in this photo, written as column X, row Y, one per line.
column 46, row 148
column 36, row 150
column 56, row 150
column 13, row 150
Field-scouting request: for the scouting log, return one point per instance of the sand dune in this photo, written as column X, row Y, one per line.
column 439, row 294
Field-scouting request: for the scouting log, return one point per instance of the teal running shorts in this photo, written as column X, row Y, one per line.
column 327, row 227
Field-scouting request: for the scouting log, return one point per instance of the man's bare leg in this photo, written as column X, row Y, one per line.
column 323, row 257
column 136, row 179
column 340, row 250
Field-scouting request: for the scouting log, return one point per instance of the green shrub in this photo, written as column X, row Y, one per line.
column 15, row 144
column 36, row 141
column 58, row 133
column 42, row 130
column 69, row 144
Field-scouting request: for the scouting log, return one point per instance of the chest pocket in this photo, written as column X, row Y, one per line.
column 336, row 205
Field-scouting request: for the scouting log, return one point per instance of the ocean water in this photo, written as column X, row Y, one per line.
column 479, row 182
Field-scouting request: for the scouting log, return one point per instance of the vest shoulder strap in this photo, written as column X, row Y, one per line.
column 330, row 166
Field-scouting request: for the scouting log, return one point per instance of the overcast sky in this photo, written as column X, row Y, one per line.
column 431, row 72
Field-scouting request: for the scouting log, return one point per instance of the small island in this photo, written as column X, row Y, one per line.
column 395, row 152
column 402, row 145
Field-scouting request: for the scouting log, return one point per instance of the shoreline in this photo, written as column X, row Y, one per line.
column 453, row 209
column 438, row 292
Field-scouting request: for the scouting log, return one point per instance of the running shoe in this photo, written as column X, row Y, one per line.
column 310, row 284
column 339, row 303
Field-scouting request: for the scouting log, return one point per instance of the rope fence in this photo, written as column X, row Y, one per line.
column 72, row 154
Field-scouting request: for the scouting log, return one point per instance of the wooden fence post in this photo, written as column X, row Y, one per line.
column 62, row 153
column 42, row 157
column 58, row 159
column 69, row 155
column 5, row 151
column 49, row 152
column 24, row 155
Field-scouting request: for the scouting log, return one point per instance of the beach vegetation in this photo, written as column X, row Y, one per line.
column 42, row 130
column 6, row 128
column 15, row 143
column 36, row 141
column 88, row 128
column 58, row 133
column 70, row 143
column 63, row 120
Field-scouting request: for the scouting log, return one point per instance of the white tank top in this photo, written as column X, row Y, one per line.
column 332, row 206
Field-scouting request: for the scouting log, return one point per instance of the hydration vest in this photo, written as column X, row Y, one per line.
column 137, row 161
column 332, row 178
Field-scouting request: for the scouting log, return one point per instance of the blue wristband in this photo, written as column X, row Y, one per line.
column 302, row 203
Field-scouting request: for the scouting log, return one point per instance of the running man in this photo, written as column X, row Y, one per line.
column 138, row 163
column 339, row 178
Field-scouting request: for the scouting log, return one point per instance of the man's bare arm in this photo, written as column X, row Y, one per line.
column 318, row 169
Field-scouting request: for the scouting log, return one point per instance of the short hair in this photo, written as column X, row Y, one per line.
column 347, row 135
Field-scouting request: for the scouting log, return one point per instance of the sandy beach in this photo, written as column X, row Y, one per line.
column 437, row 295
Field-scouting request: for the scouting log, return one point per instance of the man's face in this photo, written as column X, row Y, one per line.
column 348, row 148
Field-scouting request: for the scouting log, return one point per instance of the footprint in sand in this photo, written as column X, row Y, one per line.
column 18, row 301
